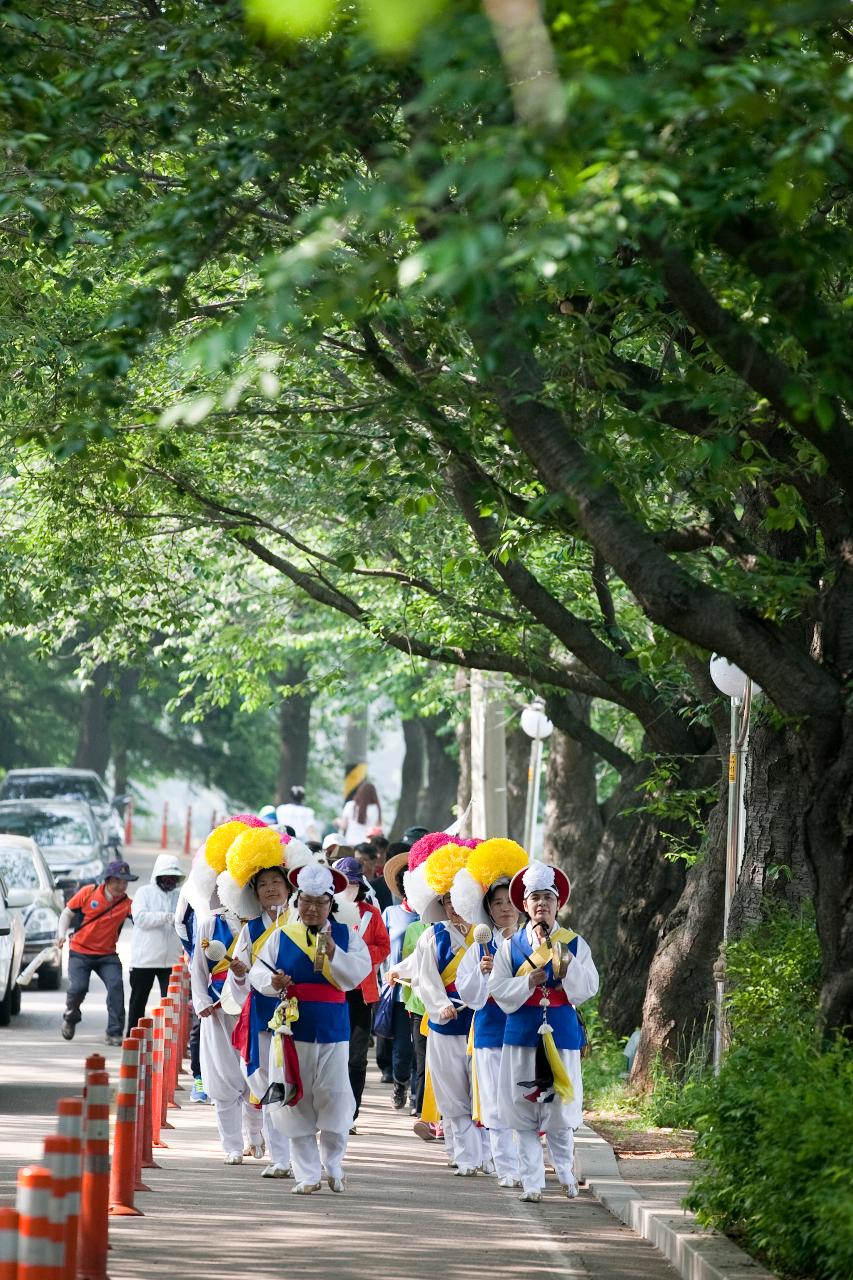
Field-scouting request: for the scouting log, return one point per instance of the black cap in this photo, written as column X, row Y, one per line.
column 118, row 870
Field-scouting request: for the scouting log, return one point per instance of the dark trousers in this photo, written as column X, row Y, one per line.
column 402, row 1048
column 141, row 982
column 360, row 1015
column 195, row 1043
column 419, row 1041
column 108, row 968
column 385, row 1054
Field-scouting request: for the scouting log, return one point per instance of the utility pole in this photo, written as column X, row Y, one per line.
column 488, row 755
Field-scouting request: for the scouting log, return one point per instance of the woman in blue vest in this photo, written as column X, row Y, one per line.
column 540, row 1088
column 255, row 887
column 314, row 1104
column 480, row 893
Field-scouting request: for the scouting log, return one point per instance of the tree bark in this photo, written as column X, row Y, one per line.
column 573, row 820
column 411, row 778
column 94, row 742
column 439, row 796
column 517, row 769
column 294, row 732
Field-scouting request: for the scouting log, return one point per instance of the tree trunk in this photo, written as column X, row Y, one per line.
column 680, row 988
column 463, row 743
column 411, row 779
column 294, row 730
column 517, row 769
column 94, row 743
column 829, row 850
column 573, row 822
column 778, row 796
column 439, row 797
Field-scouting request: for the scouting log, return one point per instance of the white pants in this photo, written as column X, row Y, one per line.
column 531, row 1160
column 278, row 1144
column 238, row 1122
column 327, row 1103
column 502, row 1150
column 310, row 1157
column 450, row 1071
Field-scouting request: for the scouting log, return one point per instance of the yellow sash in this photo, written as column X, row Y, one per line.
column 256, row 946
column 430, row 1111
column 298, row 934
column 543, row 953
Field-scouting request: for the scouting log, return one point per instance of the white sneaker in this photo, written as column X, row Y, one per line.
column 571, row 1188
column 255, row 1149
column 235, row 1157
column 305, row 1188
column 488, row 1168
column 532, row 1197
column 335, row 1184
column 461, row 1172
column 506, row 1182
column 276, row 1171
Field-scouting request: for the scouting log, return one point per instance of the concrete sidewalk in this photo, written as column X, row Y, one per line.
column 404, row 1216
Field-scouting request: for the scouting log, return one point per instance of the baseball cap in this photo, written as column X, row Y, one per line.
column 118, row 870
column 331, row 840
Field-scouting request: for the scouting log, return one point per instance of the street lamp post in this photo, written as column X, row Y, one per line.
column 738, row 687
column 538, row 727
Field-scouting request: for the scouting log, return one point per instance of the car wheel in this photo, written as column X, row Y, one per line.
column 48, row 979
column 6, row 1007
column 16, row 999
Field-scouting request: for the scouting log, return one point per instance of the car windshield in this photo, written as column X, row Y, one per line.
column 49, row 786
column 46, row 826
column 18, row 867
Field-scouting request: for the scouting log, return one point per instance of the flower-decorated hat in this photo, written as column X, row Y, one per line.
column 209, row 861
column 429, row 882
column 316, row 879
column 539, row 877
column 252, row 852
column 491, row 863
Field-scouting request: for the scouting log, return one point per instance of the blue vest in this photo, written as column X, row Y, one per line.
column 261, row 1007
column 319, row 1022
column 222, row 934
column 490, row 1021
column 522, row 1027
column 444, row 953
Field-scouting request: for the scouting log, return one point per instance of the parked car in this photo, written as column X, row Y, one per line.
column 67, row 834
column 68, row 784
column 11, row 956
column 34, row 894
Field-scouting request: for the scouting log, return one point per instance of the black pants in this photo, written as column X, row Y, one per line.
column 385, row 1054
column 141, row 982
column 419, row 1041
column 108, row 968
column 360, row 1015
column 195, row 1043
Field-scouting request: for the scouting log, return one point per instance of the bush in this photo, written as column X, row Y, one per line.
column 776, row 1128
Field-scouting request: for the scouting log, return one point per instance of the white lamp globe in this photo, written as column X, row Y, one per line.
column 535, row 723
column 728, row 678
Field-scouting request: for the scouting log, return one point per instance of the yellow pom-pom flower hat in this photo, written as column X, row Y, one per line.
column 492, row 863
column 251, row 852
column 428, row 883
column 209, row 861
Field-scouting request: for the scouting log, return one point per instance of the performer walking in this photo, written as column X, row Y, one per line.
column 480, row 893
column 539, row 975
column 438, row 954
column 239, row 1122
column 310, row 962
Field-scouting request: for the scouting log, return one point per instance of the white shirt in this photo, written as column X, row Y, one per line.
column 355, row 832
column 579, row 984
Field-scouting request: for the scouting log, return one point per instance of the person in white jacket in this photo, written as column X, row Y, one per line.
column 155, row 946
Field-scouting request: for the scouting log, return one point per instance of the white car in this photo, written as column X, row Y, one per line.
column 11, row 956
column 82, row 785
column 33, row 893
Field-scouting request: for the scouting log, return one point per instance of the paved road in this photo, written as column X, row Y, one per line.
column 404, row 1215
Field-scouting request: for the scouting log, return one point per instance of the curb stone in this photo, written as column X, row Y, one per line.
column 696, row 1253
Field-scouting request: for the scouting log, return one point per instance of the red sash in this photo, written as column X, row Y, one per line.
column 556, row 997
column 316, row 991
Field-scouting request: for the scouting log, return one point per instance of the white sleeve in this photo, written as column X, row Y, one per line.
column 581, row 980
column 351, row 967
column 430, row 987
column 471, row 983
column 509, row 991
column 238, row 988
column 199, row 972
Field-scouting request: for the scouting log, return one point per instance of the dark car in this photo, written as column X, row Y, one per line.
column 68, row 784
column 67, row 834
